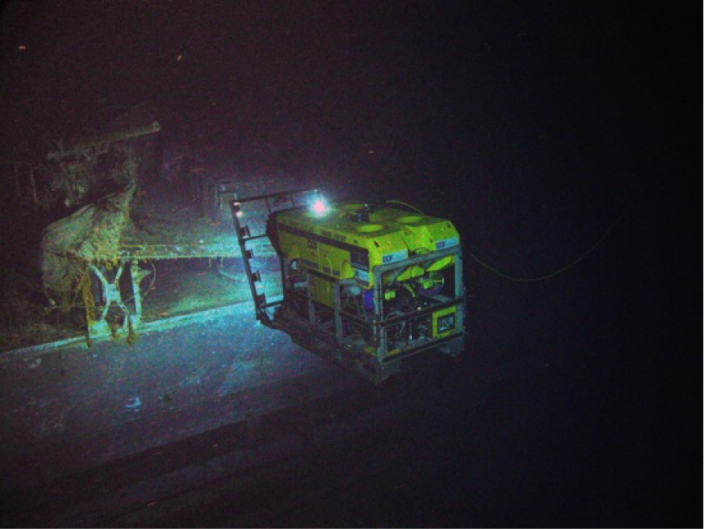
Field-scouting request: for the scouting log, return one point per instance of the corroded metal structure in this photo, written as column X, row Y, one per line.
column 159, row 223
column 180, row 234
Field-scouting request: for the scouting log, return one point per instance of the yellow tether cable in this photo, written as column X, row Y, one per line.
column 546, row 276
column 564, row 268
column 404, row 204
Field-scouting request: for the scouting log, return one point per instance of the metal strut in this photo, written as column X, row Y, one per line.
column 97, row 324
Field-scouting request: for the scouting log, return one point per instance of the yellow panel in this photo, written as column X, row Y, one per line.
column 342, row 248
column 444, row 322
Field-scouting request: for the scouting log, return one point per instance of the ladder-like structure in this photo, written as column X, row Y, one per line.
column 273, row 202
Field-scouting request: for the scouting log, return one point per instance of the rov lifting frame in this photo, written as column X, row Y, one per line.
column 329, row 343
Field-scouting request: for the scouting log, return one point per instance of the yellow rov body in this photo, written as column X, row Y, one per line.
column 365, row 286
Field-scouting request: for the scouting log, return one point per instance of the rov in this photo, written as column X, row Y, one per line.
column 363, row 286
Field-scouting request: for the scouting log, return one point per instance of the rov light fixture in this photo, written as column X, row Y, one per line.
column 319, row 207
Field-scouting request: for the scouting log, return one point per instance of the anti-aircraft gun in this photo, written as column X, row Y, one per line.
column 99, row 172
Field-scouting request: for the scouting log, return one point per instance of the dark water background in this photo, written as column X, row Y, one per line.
column 530, row 126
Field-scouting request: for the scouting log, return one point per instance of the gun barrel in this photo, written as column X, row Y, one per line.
column 110, row 137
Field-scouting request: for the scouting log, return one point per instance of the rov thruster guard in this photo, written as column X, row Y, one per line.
column 363, row 286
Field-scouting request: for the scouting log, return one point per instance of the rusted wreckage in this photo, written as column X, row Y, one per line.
column 98, row 256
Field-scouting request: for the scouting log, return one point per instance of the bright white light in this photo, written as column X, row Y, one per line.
column 319, row 207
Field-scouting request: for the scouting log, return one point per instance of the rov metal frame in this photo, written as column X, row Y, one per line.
column 375, row 359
